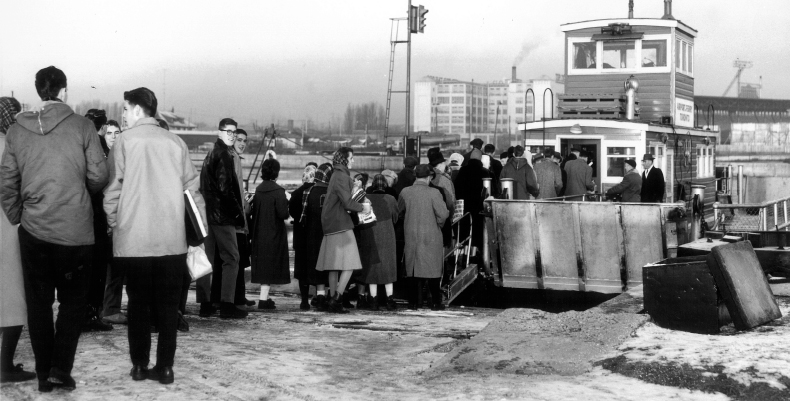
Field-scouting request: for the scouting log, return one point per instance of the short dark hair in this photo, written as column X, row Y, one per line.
column 364, row 178
column 143, row 97
column 476, row 143
column 270, row 169
column 548, row 153
column 489, row 148
column 584, row 153
column 49, row 82
column 98, row 116
column 227, row 121
column 114, row 124
column 241, row 131
column 504, row 155
column 518, row 151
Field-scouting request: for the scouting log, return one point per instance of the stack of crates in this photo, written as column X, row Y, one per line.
column 598, row 106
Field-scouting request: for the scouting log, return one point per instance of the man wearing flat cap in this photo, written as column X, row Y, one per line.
column 424, row 213
column 652, row 181
column 406, row 176
column 630, row 188
column 474, row 144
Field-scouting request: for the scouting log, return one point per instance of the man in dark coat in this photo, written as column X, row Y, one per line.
column 579, row 177
column 225, row 212
column 495, row 168
column 406, row 176
column 524, row 180
column 573, row 155
column 424, row 213
column 630, row 188
column 469, row 187
column 652, row 181
column 475, row 144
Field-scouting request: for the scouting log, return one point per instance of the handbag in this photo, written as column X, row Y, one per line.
column 196, row 233
column 198, row 263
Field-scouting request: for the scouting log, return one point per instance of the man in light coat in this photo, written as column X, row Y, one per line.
column 579, row 177
column 150, row 169
column 524, row 180
column 424, row 213
column 547, row 170
column 630, row 187
column 51, row 164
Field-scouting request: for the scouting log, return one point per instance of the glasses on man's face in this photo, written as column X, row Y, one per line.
column 229, row 131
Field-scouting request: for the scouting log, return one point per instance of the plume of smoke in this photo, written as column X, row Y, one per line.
column 526, row 48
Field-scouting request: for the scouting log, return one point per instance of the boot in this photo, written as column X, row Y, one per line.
column 59, row 378
column 16, row 374
column 391, row 304
column 373, row 304
column 267, row 304
column 93, row 322
column 321, row 303
column 362, row 302
column 336, row 306
column 229, row 311
column 346, row 302
column 207, row 309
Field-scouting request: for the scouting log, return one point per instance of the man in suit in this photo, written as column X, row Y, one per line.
column 652, row 181
column 630, row 188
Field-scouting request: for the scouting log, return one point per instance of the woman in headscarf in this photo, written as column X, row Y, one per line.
column 339, row 254
column 366, row 242
column 269, row 237
column 385, row 207
column 13, row 310
column 300, row 236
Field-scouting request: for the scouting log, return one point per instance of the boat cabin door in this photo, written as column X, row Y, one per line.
column 593, row 147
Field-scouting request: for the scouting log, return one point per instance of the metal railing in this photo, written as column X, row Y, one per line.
column 588, row 197
column 771, row 215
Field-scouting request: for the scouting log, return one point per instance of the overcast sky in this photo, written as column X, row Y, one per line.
column 308, row 59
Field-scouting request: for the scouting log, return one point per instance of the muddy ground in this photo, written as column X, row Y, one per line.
column 459, row 354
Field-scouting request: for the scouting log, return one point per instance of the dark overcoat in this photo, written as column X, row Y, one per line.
column 269, row 237
column 629, row 188
column 653, row 186
column 469, row 186
column 386, row 270
column 424, row 213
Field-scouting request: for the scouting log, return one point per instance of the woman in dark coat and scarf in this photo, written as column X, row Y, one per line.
column 469, row 187
column 385, row 207
column 305, row 208
column 269, row 237
column 339, row 254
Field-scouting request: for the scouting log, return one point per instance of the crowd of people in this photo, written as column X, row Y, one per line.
column 91, row 204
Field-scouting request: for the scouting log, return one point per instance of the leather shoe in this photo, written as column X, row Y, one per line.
column 304, row 305
column 16, row 374
column 249, row 302
column 59, row 378
column 183, row 325
column 44, row 386
column 336, row 306
column 162, row 374
column 139, row 372
column 267, row 304
column 229, row 311
column 207, row 309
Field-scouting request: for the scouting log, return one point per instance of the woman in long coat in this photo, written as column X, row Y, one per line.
column 385, row 207
column 13, row 310
column 269, row 237
column 339, row 254
column 424, row 213
column 305, row 247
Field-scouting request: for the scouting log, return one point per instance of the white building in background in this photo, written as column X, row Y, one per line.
column 468, row 108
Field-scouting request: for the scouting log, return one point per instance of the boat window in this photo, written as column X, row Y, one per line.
column 684, row 56
column 620, row 54
column 584, row 55
column 616, row 157
column 654, row 53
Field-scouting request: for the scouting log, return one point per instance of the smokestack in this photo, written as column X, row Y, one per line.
column 667, row 10
column 513, row 78
column 630, row 9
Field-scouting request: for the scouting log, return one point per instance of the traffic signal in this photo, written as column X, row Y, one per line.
column 413, row 20
column 421, row 15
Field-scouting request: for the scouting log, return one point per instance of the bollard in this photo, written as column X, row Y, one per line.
column 486, row 256
column 507, row 188
column 487, row 186
column 729, row 179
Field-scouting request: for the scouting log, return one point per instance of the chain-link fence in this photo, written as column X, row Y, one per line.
column 766, row 216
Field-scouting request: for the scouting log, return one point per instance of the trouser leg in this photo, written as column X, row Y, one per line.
column 39, row 277
column 11, row 336
column 228, row 248
column 203, row 284
column 241, row 284
column 72, row 295
column 434, row 285
column 168, row 280
column 216, row 276
column 139, row 287
column 113, row 291
column 186, row 280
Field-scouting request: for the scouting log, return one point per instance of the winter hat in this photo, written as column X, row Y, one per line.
column 309, row 174
column 324, row 173
column 456, row 159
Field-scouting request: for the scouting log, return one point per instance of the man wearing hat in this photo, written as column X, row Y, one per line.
column 631, row 186
column 652, row 181
column 406, row 176
column 441, row 181
column 423, row 212
column 475, row 144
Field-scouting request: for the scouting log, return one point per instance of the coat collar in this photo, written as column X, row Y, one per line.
column 146, row 121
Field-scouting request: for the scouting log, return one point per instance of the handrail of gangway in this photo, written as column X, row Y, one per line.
column 599, row 195
column 763, row 210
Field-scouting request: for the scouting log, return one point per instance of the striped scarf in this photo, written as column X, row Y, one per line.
column 9, row 107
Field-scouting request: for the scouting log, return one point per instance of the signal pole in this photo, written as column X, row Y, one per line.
column 410, row 12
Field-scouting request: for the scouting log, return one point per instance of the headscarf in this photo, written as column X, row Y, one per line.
column 457, row 158
column 339, row 158
column 390, row 176
column 9, row 108
column 379, row 184
column 324, row 173
column 309, row 174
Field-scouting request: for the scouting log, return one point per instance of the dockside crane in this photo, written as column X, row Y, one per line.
column 740, row 65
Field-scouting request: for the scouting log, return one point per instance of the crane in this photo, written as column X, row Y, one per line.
column 740, row 65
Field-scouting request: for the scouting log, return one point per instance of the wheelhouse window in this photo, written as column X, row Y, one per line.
column 584, row 55
column 654, row 53
column 620, row 54
column 684, row 56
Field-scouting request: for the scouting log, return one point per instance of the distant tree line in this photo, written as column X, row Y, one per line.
column 358, row 116
column 113, row 110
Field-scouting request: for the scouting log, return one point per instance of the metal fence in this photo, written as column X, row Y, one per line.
column 771, row 215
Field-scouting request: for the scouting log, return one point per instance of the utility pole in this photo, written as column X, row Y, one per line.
column 410, row 13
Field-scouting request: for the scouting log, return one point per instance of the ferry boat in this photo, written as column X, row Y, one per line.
column 629, row 91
